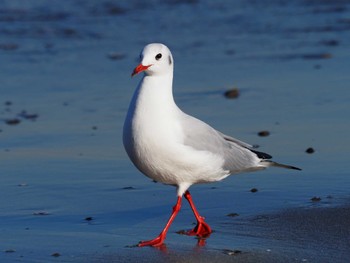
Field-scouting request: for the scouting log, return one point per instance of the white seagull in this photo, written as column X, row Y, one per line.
column 174, row 148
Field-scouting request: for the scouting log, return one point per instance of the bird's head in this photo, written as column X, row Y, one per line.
column 155, row 59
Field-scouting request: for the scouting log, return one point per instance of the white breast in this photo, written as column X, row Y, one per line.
column 154, row 140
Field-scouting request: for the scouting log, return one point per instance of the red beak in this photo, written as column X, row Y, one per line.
column 139, row 69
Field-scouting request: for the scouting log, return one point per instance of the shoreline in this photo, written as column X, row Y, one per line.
column 317, row 234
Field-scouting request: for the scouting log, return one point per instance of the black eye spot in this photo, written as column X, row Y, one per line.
column 159, row 56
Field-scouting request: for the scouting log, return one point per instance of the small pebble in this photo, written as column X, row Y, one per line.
column 253, row 190
column 232, row 215
column 10, row 250
column 28, row 116
column 232, row 93
column 56, row 255
column 12, row 121
column 316, row 199
column 41, row 213
column 263, row 133
column 89, row 218
column 310, row 150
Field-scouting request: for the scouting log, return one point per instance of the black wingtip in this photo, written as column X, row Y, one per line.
column 261, row 155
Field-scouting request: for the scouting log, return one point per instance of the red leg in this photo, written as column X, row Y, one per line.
column 202, row 229
column 158, row 241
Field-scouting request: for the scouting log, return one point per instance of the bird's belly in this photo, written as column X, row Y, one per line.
column 155, row 161
column 173, row 163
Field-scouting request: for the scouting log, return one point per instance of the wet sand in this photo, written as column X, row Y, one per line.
column 319, row 234
column 70, row 194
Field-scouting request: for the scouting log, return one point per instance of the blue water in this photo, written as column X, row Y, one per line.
column 290, row 61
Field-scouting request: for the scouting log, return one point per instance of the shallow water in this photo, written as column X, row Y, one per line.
column 70, row 63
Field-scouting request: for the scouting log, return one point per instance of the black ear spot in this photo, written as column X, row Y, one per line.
column 170, row 62
column 158, row 56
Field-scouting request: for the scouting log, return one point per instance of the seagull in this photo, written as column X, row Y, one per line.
column 174, row 148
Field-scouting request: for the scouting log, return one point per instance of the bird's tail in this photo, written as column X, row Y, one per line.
column 272, row 163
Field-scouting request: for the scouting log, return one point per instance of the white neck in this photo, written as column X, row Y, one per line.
column 153, row 113
column 154, row 95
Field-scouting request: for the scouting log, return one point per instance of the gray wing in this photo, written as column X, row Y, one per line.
column 261, row 155
column 238, row 155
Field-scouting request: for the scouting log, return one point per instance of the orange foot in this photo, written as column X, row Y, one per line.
column 157, row 242
column 202, row 229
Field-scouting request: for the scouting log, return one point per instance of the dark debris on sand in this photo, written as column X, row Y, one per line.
column 263, row 133
column 254, row 190
column 16, row 119
column 232, row 215
column 310, row 150
column 316, row 199
column 232, row 93
column 13, row 121
column 56, row 255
